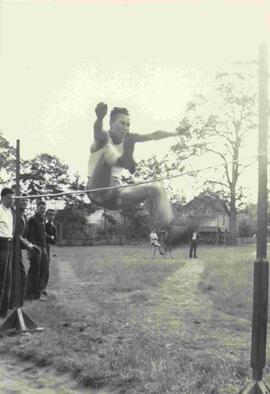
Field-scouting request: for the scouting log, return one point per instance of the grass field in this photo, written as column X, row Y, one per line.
column 118, row 319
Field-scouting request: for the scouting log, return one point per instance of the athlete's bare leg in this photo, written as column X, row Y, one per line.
column 126, row 197
column 132, row 196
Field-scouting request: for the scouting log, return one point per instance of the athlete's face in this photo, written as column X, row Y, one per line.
column 120, row 127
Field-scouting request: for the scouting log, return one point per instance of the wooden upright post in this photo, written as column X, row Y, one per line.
column 263, row 142
column 17, row 245
column 261, row 266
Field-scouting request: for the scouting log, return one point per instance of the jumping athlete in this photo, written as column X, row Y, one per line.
column 112, row 151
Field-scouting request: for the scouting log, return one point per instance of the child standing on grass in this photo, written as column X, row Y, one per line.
column 155, row 243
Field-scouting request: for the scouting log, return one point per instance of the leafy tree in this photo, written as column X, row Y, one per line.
column 72, row 225
column 221, row 124
column 79, row 199
column 7, row 160
column 246, row 228
column 45, row 174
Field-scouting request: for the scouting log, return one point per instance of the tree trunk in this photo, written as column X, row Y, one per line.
column 234, row 179
column 232, row 223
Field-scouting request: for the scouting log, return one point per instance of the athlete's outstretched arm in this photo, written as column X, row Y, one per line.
column 158, row 135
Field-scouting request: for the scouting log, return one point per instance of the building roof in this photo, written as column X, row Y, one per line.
column 205, row 200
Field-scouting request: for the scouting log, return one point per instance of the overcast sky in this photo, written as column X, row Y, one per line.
column 60, row 57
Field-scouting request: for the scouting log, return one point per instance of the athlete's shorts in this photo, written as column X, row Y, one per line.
column 108, row 199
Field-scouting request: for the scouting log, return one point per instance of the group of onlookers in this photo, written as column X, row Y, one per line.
column 166, row 246
column 36, row 234
column 155, row 242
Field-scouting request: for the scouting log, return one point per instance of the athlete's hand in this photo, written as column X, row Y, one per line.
column 183, row 127
column 101, row 110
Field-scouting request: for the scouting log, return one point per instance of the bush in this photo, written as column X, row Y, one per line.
column 246, row 228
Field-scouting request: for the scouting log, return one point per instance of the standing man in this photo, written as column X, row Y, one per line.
column 193, row 245
column 112, row 151
column 22, row 228
column 50, row 230
column 38, row 259
column 6, row 239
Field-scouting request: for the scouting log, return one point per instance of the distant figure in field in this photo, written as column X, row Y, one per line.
column 193, row 245
column 110, row 153
column 155, row 242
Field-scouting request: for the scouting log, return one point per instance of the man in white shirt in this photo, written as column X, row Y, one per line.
column 6, row 238
column 155, row 243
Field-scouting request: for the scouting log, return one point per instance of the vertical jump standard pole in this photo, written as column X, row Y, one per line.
column 17, row 245
column 261, row 266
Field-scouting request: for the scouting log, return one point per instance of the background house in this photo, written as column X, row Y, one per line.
column 207, row 214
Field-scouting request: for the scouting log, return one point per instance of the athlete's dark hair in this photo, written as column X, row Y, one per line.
column 117, row 111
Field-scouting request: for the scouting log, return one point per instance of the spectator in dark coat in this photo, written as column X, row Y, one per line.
column 50, row 229
column 36, row 276
column 18, row 283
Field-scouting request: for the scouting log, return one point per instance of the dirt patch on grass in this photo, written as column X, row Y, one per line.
column 24, row 378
